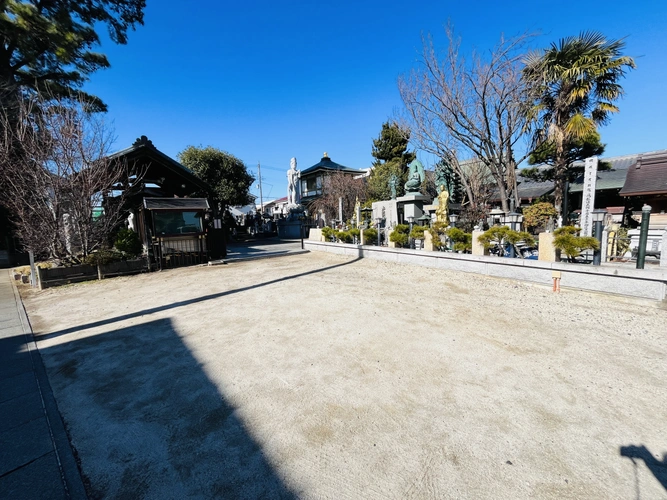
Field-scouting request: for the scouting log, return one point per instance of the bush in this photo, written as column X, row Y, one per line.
column 127, row 241
column 568, row 241
column 437, row 230
column 371, row 236
column 462, row 240
column 400, row 235
column 354, row 232
column 501, row 235
column 103, row 257
column 344, row 236
column 328, row 232
column 537, row 215
column 417, row 232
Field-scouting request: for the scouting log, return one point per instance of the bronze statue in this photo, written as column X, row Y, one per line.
column 415, row 176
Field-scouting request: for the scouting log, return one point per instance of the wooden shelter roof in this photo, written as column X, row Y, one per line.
column 157, row 168
column 648, row 175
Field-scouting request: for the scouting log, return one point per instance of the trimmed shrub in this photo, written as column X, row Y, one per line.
column 344, row 236
column 501, row 235
column 127, row 241
column 371, row 236
column 537, row 215
column 568, row 241
column 103, row 257
column 462, row 241
column 328, row 232
column 417, row 232
column 400, row 235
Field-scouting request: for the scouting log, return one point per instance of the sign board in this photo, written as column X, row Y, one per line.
column 588, row 199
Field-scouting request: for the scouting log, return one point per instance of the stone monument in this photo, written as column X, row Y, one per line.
column 293, row 176
column 588, row 196
column 413, row 201
column 292, row 227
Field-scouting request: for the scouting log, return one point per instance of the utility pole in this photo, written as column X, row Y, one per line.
column 261, row 199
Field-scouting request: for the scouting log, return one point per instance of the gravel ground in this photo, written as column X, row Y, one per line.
column 318, row 376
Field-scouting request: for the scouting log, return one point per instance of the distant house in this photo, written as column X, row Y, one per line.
column 312, row 178
column 646, row 181
column 275, row 208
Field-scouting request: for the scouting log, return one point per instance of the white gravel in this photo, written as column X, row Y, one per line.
column 323, row 377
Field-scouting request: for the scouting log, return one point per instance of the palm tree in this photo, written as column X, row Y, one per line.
column 574, row 85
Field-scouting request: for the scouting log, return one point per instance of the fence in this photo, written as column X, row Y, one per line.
column 58, row 276
column 180, row 251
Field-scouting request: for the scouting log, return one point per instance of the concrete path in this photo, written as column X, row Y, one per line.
column 261, row 249
column 36, row 459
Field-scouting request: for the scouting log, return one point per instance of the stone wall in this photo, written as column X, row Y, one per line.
column 643, row 283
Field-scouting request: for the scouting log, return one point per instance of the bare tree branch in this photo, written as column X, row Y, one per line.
column 469, row 109
column 63, row 192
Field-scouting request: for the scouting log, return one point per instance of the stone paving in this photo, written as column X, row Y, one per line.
column 36, row 459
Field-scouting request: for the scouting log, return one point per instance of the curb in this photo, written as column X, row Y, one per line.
column 69, row 470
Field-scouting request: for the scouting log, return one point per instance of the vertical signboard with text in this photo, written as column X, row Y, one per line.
column 588, row 199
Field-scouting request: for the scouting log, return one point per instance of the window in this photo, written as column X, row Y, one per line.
column 311, row 186
column 175, row 222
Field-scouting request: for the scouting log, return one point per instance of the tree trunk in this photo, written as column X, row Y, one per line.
column 502, row 192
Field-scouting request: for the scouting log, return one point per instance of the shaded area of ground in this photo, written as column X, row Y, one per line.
column 138, row 402
column 36, row 460
column 337, row 378
column 262, row 248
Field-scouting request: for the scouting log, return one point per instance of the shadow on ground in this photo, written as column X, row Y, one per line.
column 147, row 422
column 152, row 310
column 657, row 468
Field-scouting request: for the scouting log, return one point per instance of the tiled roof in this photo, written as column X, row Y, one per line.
column 176, row 203
column 648, row 175
column 611, row 178
column 327, row 164
column 532, row 190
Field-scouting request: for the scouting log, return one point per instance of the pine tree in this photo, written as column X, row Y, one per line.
column 391, row 158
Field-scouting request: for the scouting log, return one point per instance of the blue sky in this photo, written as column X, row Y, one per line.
column 268, row 80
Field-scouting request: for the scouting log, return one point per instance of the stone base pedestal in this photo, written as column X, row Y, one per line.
column 477, row 247
column 289, row 230
column 315, row 234
column 547, row 251
column 428, row 242
column 413, row 205
column 663, row 250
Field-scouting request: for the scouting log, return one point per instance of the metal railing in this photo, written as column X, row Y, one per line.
column 178, row 252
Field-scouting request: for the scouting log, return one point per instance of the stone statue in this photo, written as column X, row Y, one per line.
column 441, row 213
column 293, row 176
column 130, row 222
column 357, row 212
column 393, row 185
column 415, row 176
